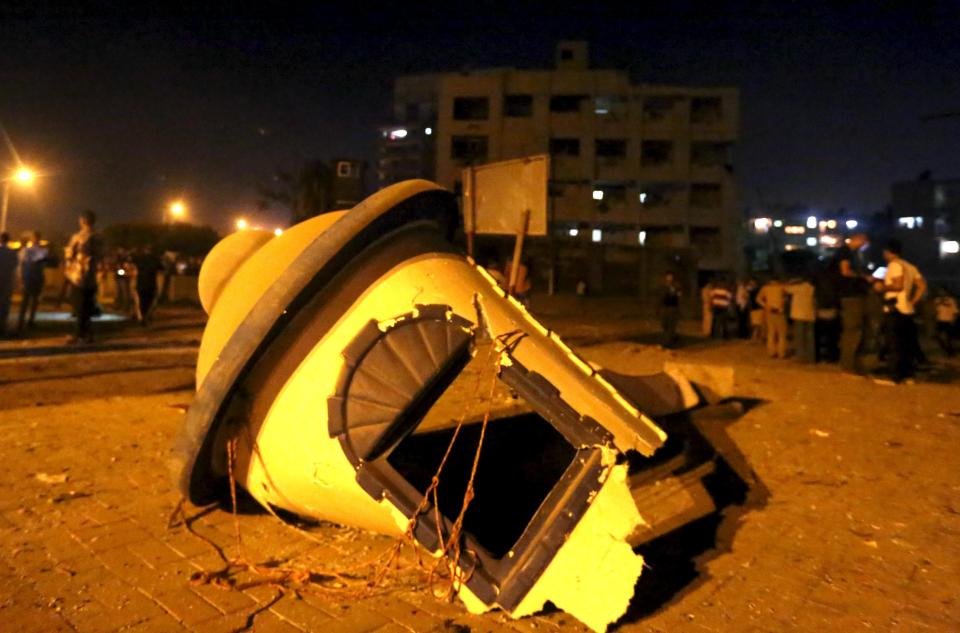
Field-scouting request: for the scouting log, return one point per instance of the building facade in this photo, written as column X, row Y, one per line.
column 632, row 164
column 925, row 216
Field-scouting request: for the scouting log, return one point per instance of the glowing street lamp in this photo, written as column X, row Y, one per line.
column 242, row 224
column 176, row 211
column 25, row 176
column 22, row 176
column 278, row 231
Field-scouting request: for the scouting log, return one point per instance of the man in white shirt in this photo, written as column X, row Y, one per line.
column 903, row 285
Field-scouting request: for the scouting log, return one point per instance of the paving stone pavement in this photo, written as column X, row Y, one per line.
column 855, row 530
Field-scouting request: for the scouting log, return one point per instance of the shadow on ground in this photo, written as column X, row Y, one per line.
column 676, row 559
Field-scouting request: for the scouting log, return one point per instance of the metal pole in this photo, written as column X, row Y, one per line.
column 6, row 203
column 517, row 250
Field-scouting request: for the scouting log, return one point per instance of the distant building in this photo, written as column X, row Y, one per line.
column 925, row 216
column 633, row 164
column 776, row 230
column 347, row 182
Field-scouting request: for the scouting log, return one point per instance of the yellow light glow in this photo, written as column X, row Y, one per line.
column 178, row 209
column 278, row 231
column 242, row 224
column 24, row 176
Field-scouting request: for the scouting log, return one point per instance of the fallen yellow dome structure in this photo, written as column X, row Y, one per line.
column 325, row 348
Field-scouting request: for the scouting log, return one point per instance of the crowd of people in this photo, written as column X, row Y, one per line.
column 87, row 265
column 837, row 314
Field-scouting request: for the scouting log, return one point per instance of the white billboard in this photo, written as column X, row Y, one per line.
column 497, row 195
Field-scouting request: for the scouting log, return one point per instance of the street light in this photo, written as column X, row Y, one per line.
column 242, row 224
column 23, row 176
column 177, row 210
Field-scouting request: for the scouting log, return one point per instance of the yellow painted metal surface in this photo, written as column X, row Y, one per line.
column 289, row 460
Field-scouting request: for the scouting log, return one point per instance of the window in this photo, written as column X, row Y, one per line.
column 612, row 105
column 707, row 240
column 470, row 149
column 656, row 194
column 915, row 222
column 471, row 108
column 706, row 110
column 565, row 146
column 611, row 147
column 596, row 235
column 705, row 195
column 609, row 195
column 344, row 169
column 518, row 105
column 656, row 153
column 708, row 154
column 411, row 112
column 656, row 108
column 566, row 103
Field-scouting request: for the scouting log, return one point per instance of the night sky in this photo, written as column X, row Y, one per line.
column 123, row 113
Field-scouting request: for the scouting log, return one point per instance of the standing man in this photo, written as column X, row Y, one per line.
column 706, row 304
column 32, row 258
column 847, row 266
column 947, row 311
column 8, row 276
column 146, row 267
column 803, row 313
column 772, row 298
column 84, row 254
column 721, row 301
column 902, row 288
column 670, row 309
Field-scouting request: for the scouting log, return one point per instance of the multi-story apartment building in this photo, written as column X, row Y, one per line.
column 631, row 163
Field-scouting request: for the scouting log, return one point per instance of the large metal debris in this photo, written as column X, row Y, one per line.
column 326, row 349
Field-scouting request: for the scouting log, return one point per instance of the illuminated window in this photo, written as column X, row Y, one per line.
column 852, row 224
column 598, row 194
column 428, row 131
column 762, row 225
column 596, row 235
column 778, row 223
column 643, row 197
column 794, row 230
column 811, row 241
column 913, row 222
column 573, row 232
column 949, row 247
column 642, row 237
column 397, row 134
column 812, row 222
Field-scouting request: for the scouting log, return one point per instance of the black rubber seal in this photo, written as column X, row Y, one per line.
column 306, row 276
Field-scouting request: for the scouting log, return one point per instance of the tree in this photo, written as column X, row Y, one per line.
column 304, row 194
column 188, row 239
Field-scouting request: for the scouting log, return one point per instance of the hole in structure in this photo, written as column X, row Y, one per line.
column 522, row 459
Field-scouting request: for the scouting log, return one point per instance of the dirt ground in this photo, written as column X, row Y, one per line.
column 849, row 520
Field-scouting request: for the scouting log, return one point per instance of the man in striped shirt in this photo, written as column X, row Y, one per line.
column 720, row 299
